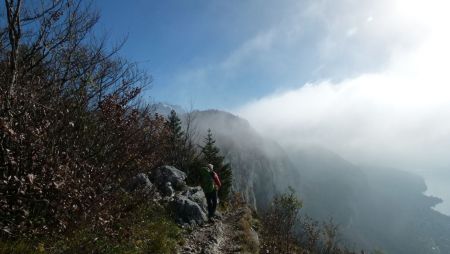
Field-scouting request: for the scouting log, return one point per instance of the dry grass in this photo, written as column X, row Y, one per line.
column 246, row 225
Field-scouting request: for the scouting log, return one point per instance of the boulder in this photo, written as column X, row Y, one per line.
column 168, row 190
column 188, row 211
column 165, row 174
column 197, row 195
column 140, row 182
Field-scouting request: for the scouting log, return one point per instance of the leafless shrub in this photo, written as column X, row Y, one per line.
column 71, row 128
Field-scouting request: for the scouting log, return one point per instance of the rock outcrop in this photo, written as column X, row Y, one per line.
column 140, row 182
column 168, row 183
column 197, row 195
column 162, row 175
column 187, row 211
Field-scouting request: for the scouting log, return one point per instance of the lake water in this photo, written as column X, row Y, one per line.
column 439, row 186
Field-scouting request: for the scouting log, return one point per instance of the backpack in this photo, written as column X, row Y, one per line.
column 216, row 179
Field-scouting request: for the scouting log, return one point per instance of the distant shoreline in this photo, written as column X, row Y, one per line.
column 438, row 187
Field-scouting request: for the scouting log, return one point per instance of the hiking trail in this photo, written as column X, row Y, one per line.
column 220, row 237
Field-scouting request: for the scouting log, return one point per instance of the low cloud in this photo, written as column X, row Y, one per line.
column 399, row 116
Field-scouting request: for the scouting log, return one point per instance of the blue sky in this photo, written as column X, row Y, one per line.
column 223, row 54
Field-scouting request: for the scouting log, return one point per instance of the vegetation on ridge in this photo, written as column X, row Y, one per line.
column 73, row 131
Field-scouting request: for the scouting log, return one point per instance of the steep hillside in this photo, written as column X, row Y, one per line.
column 260, row 167
column 374, row 207
column 394, row 213
column 330, row 184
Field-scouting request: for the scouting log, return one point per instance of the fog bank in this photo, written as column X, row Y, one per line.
column 397, row 117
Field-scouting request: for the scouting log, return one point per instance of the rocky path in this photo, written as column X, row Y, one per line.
column 219, row 237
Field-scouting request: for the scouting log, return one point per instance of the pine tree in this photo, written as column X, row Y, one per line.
column 211, row 154
column 210, row 151
column 176, row 141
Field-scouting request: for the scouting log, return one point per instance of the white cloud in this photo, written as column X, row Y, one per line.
column 399, row 116
column 352, row 31
column 256, row 45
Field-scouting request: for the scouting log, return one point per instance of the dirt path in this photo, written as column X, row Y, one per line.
column 214, row 238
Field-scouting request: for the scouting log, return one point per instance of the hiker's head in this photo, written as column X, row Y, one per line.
column 210, row 166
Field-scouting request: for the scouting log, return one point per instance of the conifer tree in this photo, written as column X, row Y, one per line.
column 211, row 154
column 176, row 141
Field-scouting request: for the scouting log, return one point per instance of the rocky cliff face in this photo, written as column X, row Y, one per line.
column 260, row 167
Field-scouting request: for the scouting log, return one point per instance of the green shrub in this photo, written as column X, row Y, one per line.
column 141, row 227
column 20, row 247
column 146, row 228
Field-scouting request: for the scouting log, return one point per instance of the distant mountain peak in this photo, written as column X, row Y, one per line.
column 165, row 108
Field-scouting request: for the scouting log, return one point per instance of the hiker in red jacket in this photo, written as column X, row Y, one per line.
column 210, row 183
